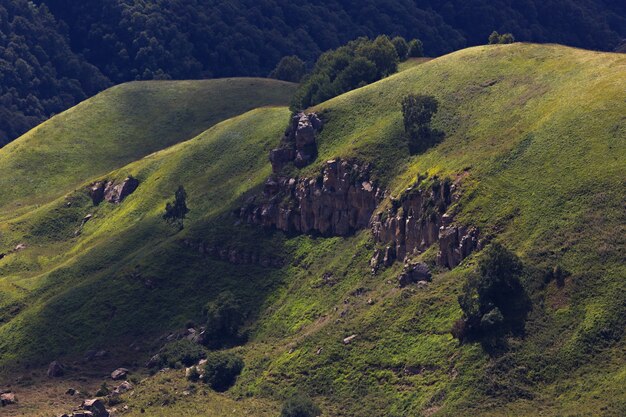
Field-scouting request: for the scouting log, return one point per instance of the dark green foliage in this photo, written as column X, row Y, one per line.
column 354, row 65
column 493, row 301
column 39, row 74
column 300, row 405
column 176, row 211
column 417, row 112
column 103, row 391
column 290, row 68
column 224, row 319
column 221, row 370
column 416, row 49
column 181, row 352
column 496, row 38
column 402, row 47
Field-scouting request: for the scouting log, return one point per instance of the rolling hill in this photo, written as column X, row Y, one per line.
column 534, row 143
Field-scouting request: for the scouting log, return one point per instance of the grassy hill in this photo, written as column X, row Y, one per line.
column 535, row 135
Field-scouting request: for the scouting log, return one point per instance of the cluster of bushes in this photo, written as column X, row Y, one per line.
column 181, row 353
column 220, row 371
column 354, row 65
column 493, row 301
column 496, row 38
column 417, row 113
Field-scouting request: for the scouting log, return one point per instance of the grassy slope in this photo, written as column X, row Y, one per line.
column 538, row 133
column 119, row 126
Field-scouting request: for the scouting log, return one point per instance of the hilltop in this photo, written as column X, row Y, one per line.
column 533, row 145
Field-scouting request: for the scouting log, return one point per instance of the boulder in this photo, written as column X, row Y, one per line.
column 119, row 373
column 96, row 192
column 55, row 370
column 96, row 407
column 414, row 272
column 123, row 387
column 115, row 193
column 7, row 398
column 349, row 339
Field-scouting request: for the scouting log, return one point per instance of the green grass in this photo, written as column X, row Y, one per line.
column 534, row 132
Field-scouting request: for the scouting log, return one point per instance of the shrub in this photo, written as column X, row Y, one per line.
column 493, row 301
column 224, row 318
column 416, row 49
column 290, row 68
column 402, row 47
column 176, row 211
column 183, row 352
column 221, row 370
column 417, row 112
column 496, row 38
column 300, row 405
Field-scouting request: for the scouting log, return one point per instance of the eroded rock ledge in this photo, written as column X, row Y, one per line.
column 298, row 144
column 336, row 203
column 233, row 255
column 418, row 219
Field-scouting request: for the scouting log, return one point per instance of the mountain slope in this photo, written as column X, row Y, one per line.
column 121, row 125
column 534, row 137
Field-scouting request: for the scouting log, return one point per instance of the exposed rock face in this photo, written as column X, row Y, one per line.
column 417, row 220
column 336, row 203
column 412, row 224
column 456, row 243
column 298, row 144
column 234, row 255
column 111, row 191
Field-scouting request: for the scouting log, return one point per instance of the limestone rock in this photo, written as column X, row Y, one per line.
column 111, row 191
column 298, row 144
column 413, row 273
column 349, row 339
column 123, row 387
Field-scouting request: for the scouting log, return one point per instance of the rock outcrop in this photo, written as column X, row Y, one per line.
column 96, row 407
column 414, row 272
column 336, row 203
column 119, row 373
column 418, row 219
column 298, row 144
column 111, row 191
column 7, row 398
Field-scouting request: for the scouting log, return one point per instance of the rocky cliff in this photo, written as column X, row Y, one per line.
column 418, row 219
column 111, row 191
column 336, row 203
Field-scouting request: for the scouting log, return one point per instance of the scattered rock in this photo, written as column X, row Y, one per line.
column 111, row 191
column 414, row 272
column 55, row 370
column 86, row 219
column 119, row 373
column 123, row 387
column 349, row 339
column 96, row 407
column 71, row 391
column 298, row 144
column 7, row 398
column 20, row 247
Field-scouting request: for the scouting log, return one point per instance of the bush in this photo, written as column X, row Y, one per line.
column 290, row 68
column 300, row 406
column 416, row 49
column 176, row 211
column 184, row 352
column 496, row 38
column 417, row 112
column 493, row 301
column 402, row 47
column 221, row 370
column 224, row 318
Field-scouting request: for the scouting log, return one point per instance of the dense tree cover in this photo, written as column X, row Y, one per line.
column 162, row 39
column 356, row 64
column 39, row 74
column 290, row 68
column 224, row 319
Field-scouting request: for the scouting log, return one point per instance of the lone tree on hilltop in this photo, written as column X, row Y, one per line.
column 176, row 211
